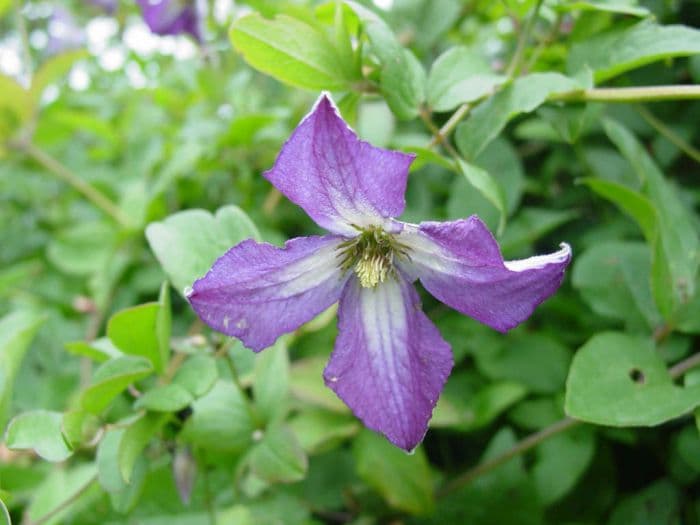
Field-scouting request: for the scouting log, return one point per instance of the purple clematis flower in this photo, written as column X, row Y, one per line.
column 172, row 17
column 390, row 363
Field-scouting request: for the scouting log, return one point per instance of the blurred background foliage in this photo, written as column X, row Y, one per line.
column 129, row 161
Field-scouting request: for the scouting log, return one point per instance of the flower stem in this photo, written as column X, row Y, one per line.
column 538, row 437
column 85, row 188
column 516, row 61
column 667, row 132
column 630, row 94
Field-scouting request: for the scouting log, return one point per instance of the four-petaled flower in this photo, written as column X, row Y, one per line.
column 390, row 363
column 172, row 17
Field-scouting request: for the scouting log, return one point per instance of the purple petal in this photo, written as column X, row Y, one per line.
column 459, row 262
column 171, row 17
column 390, row 363
column 257, row 291
column 338, row 179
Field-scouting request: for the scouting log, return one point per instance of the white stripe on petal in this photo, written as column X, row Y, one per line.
column 540, row 261
column 384, row 319
column 306, row 273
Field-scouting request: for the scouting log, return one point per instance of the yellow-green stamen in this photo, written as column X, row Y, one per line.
column 371, row 255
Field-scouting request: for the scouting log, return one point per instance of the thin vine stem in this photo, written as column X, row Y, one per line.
column 513, row 68
column 630, row 94
column 442, row 135
column 613, row 95
column 66, row 503
column 682, row 367
column 516, row 62
column 91, row 193
column 521, row 447
column 538, row 437
column 667, row 132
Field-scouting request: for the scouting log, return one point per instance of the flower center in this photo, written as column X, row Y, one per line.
column 371, row 255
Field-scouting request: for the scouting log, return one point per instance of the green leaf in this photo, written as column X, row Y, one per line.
column 468, row 411
column 535, row 414
column 620, row 50
column 500, row 160
column 164, row 324
column 16, row 107
column 403, row 85
column 319, row 430
column 278, row 458
column 221, row 420
column 489, row 187
column 164, row 398
column 504, row 495
column 307, row 384
column 17, row 330
column 530, row 224
column 625, row 7
column 99, row 350
column 613, row 278
column 271, row 381
column 291, row 51
column 53, row 69
column 688, row 318
column 633, row 203
column 384, row 43
column 658, row 503
column 111, row 379
column 403, row 480
column 83, row 249
column 62, row 490
column 427, row 156
column 108, row 473
column 402, row 77
column 79, row 427
column 522, row 96
column 458, row 76
column 187, row 243
column 620, row 380
column 488, row 403
column 126, row 499
column 677, row 251
column 5, row 7
column 38, row 430
column 197, row 375
column 535, row 361
column 144, row 330
column 244, row 128
column 560, row 462
column 134, row 440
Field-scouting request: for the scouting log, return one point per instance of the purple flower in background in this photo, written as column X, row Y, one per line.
column 172, row 17
column 108, row 6
column 389, row 363
column 64, row 31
